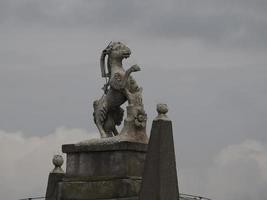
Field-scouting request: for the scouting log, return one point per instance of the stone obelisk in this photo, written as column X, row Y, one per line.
column 160, row 175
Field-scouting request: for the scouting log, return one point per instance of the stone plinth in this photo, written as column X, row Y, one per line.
column 134, row 128
column 103, row 169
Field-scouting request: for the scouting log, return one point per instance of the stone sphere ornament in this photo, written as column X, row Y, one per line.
column 162, row 109
column 58, row 162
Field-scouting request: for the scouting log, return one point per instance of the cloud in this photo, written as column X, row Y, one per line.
column 238, row 172
column 26, row 161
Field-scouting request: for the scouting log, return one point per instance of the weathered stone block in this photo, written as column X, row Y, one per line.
column 102, row 169
column 100, row 189
column 123, row 159
column 52, row 185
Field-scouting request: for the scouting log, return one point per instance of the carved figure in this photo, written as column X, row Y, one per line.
column 119, row 88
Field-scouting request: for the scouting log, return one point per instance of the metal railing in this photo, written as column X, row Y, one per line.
column 192, row 197
column 182, row 197
column 30, row 198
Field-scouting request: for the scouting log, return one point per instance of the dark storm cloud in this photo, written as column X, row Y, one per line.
column 239, row 23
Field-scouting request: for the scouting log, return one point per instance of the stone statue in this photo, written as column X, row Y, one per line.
column 120, row 87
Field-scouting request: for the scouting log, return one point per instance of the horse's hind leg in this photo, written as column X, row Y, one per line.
column 101, row 130
column 99, row 118
column 115, row 131
column 99, row 124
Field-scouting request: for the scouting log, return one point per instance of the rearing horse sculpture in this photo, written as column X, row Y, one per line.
column 107, row 110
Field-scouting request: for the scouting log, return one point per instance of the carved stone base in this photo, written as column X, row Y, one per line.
column 134, row 128
column 102, row 169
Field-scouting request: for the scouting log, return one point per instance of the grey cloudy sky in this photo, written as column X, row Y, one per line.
column 206, row 59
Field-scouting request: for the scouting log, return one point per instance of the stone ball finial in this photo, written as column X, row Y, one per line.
column 58, row 162
column 162, row 110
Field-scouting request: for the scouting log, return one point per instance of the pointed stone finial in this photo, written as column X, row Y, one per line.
column 160, row 181
column 58, row 162
column 162, row 109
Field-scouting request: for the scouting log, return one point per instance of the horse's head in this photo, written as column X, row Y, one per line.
column 114, row 51
column 117, row 50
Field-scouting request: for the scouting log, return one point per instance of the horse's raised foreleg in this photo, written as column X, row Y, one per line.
column 134, row 68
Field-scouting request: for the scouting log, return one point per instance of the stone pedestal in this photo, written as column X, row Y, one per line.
column 102, row 169
column 134, row 128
